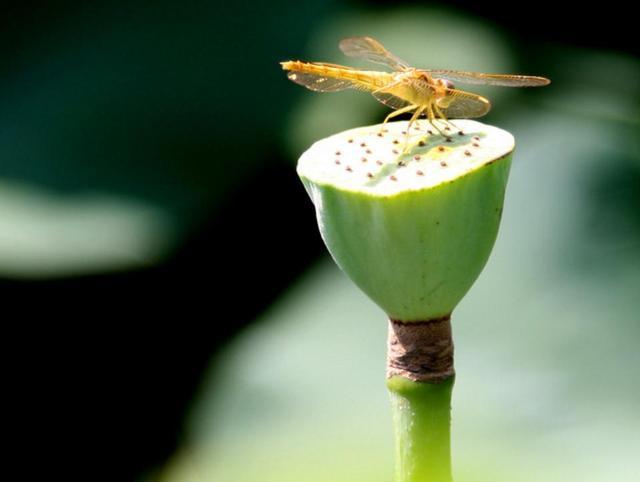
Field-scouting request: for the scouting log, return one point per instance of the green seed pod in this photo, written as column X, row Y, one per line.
column 413, row 230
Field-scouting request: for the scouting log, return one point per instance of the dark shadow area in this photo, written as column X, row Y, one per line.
column 546, row 21
column 104, row 366
column 610, row 220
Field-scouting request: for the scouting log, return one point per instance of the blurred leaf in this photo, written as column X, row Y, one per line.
column 45, row 234
column 156, row 104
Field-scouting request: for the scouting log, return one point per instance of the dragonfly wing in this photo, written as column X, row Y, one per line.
column 458, row 104
column 320, row 83
column 390, row 100
column 387, row 98
column 489, row 79
column 370, row 49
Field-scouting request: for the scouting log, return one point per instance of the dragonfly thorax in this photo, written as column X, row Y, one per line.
column 415, row 86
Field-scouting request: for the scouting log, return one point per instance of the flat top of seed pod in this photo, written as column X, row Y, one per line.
column 371, row 159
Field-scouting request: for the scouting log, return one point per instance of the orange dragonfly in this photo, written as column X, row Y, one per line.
column 427, row 92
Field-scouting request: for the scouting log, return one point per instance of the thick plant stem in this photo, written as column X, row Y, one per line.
column 420, row 377
column 422, row 420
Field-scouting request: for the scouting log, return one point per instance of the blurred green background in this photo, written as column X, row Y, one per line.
column 171, row 313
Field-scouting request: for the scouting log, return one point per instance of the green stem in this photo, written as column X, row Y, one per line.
column 422, row 420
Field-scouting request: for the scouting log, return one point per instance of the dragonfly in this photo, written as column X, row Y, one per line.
column 424, row 92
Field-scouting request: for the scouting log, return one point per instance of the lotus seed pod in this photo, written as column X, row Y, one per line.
column 412, row 229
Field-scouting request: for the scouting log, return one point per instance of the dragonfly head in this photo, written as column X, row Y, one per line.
column 447, row 84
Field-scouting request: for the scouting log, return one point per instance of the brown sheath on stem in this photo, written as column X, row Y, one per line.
column 421, row 351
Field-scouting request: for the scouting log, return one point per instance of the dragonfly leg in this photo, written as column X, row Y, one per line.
column 415, row 115
column 395, row 113
column 442, row 116
column 432, row 121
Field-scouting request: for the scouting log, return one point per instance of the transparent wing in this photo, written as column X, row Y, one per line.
column 319, row 81
column 458, row 104
column 489, row 79
column 370, row 49
column 387, row 98
column 390, row 100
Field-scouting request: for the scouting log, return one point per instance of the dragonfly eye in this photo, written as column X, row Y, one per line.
column 447, row 84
